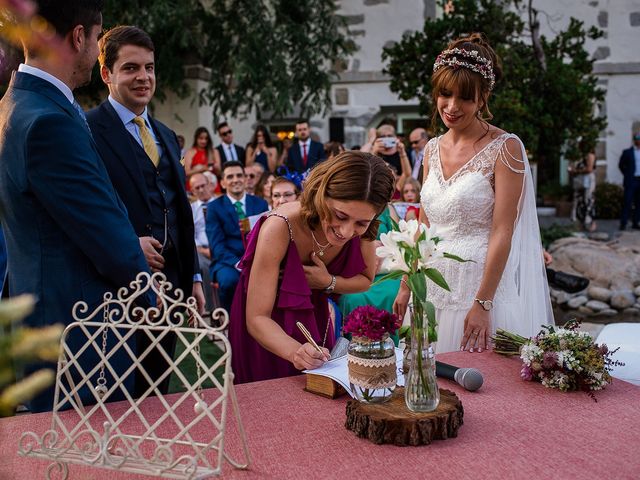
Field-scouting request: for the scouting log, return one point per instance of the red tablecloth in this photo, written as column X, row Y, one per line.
column 512, row 429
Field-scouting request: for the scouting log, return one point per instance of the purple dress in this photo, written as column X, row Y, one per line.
column 294, row 302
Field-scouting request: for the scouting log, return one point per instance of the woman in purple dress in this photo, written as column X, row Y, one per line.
column 299, row 255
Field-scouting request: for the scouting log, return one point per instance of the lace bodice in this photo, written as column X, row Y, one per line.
column 461, row 209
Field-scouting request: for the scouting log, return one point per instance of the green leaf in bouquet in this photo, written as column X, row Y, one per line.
column 436, row 277
column 389, row 276
column 418, row 285
column 456, row 258
column 430, row 311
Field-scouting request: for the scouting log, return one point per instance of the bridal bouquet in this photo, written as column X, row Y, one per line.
column 563, row 358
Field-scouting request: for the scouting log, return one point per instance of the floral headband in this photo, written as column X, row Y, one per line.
column 294, row 177
column 481, row 65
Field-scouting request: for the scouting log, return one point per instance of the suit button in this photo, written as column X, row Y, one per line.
column 148, row 227
column 163, row 192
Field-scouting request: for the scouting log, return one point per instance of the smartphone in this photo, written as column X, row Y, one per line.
column 389, row 142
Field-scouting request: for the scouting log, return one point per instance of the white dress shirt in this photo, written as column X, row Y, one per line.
column 127, row 116
column 199, row 223
column 636, row 153
column 230, row 151
column 307, row 142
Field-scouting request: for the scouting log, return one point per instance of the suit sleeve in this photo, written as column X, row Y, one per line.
column 621, row 164
column 72, row 184
column 220, row 253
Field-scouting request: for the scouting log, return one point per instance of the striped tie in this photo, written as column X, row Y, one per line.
column 148, row 143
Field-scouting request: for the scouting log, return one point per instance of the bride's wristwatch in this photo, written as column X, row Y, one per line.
column 486, row 304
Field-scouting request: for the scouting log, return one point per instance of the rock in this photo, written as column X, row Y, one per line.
column 599, row 293
column 636, row 292
column 599, row 236
column 597, row 305
column 637, row 305
column 585, row 310
column 577, row 301
column 631, row 311
column 622, row 299
column 562, row 298
column 614, row 265
column 607, row 312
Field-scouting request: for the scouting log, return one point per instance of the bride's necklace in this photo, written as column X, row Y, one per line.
column 321, row 248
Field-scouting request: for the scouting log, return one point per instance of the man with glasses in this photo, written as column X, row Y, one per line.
column 226, row 228
column 200, row 186
column 253, row 174
column 630, row 168
column 227, row 151
column 418, row 140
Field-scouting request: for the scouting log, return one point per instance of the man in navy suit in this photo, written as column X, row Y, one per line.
column 226, row 240
column 142, row 157
column 227, row 150
column 305, row 153
column 630, row 168
column 67, row 232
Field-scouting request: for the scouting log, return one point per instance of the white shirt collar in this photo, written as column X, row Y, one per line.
column 59, row 84
column 127, row 115
column 243, row 201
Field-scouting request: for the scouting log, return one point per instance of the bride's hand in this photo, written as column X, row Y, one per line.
column 476, row 329
column 401, row 301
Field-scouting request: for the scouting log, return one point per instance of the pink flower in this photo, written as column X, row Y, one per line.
column 370, row 322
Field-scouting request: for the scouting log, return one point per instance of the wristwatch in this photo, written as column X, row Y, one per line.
column 332, row 286
column 486, row 304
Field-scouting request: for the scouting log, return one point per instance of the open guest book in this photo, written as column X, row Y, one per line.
column 332, row 379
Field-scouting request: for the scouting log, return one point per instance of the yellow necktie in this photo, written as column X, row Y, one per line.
column 148, row 143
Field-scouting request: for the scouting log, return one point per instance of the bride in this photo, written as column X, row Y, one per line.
column 478, row 194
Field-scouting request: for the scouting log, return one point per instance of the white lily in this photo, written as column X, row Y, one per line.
column 407, row 233
column 391, row 254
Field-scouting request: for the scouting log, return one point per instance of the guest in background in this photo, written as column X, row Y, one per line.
column 286, row 145
column 418, row 140
column 300, row 254
column 213, row 186
column 253, row 174
column 227, row 150
column 200, row 156
column 261, row 150
column 263, row 187
column 630, row 168
column 305, row 153
column 225, row 231
column 283, row 190
column 332, row 149
column 411, row 194
column 201, row 187
column 181, row 141
column 584, row 186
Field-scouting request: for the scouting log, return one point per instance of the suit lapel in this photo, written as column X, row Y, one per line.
column 119, row 139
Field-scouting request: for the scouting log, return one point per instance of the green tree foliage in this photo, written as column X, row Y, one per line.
column 270, row 54
column 549, row 102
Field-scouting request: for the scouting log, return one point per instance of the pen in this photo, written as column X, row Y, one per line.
column 308, row 336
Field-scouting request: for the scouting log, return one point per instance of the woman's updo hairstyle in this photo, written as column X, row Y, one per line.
column 351, row 175
column 471, row 66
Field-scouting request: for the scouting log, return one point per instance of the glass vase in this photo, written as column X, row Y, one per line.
column 372, row 369
column 421, row 392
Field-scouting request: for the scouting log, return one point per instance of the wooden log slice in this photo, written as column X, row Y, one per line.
column 392, row 422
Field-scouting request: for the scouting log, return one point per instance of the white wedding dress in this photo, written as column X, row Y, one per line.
column 461, row 210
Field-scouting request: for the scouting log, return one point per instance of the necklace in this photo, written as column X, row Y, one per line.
column 321, row 248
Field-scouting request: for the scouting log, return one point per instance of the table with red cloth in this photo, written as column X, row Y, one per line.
column 512, row 429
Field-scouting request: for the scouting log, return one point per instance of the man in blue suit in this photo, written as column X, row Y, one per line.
column 305, row 153
column 142, row 157
column 630, row 168
column 225, row 215
column 67, row 232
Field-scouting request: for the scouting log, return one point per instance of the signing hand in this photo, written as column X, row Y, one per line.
column 476, row 329
column 317, row 275
column 150, row 247
column 307, row 357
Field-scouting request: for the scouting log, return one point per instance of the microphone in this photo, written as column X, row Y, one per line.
column 468, row 378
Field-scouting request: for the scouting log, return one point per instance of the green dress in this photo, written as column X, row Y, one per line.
column 380, row 296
